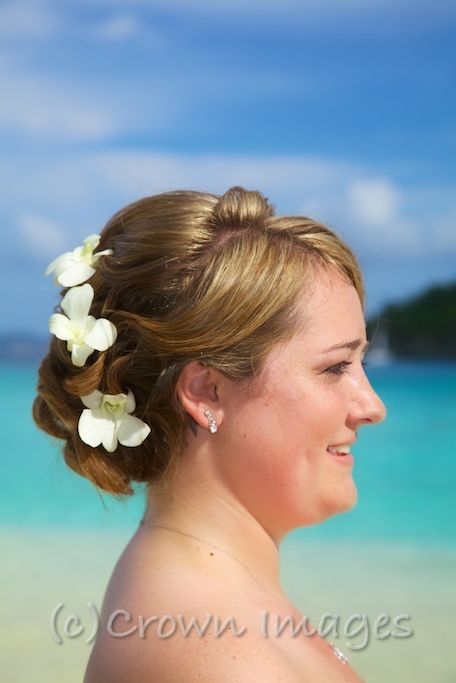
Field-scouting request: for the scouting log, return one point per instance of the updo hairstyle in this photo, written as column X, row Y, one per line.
column 192, row 277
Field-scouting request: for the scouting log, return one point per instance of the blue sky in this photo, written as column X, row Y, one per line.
column 341, row 109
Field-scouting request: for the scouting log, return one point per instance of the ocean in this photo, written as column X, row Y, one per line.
column 394, row 553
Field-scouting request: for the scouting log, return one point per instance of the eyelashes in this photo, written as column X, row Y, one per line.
column 340, row 368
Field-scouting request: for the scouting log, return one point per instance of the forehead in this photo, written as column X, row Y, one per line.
column 329, row 314
column 331, row 296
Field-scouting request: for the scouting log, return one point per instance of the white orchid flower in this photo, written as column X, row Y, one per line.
column 82, row 332
column 74, row 267
column 107, row 421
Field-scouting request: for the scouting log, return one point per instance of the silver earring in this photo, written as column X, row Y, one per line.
column 211, row 422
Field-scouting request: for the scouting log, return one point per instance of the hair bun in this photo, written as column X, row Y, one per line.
column 239, row 207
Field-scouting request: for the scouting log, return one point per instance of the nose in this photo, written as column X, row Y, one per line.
column 367, row 406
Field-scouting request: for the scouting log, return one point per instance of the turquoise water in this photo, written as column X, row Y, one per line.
column 405, row 468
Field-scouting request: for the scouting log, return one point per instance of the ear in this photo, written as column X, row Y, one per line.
column 197, row 390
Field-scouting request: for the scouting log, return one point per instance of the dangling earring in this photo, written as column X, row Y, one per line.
column 211, row 422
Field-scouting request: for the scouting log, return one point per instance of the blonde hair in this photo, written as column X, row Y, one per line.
column 193, row 276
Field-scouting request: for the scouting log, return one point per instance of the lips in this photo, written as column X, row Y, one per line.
column 343, row 449
column 341, row 454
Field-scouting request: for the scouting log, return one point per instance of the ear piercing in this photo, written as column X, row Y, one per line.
column 211, row 422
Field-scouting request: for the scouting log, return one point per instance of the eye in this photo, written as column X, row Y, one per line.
column 339, row 368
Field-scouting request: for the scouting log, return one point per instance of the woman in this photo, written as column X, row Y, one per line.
column 216, row 354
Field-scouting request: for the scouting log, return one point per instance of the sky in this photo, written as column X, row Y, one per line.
column 344, row 110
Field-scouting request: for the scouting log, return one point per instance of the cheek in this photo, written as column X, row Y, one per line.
column 263, row 453
column 275, row 469
column 276, row 459
column 283, row 441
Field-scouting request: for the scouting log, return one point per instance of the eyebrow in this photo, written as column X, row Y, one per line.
column 352, row 345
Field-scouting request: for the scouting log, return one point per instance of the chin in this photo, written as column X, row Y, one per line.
column 339, row 500
column 348, row 502
column 344, row 502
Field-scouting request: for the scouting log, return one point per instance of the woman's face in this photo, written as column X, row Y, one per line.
column 287, row 450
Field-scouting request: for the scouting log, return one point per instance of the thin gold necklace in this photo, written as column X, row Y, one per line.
column 335, row 649
column 202, row 540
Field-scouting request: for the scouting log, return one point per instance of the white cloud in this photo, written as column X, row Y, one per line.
column 39, row 106
column 27, row 19
column 293, row 183
column 40, row 236
column 117, row 28
column 376, row 209
column 374, row 202
column 47, row 106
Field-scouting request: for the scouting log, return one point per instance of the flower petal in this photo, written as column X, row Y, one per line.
column 92, row 400
column 131, row 431
column 89, row 427
column 54, row 265
column 102, row 335
column 109, row 438
column 130, row 403
column 80, row 353
column 75, row 274
column 77, row 302
column 100, row 424
column 104, row 252
column 75, row 267
column 95, row 428
column 59, row 325
column 92, row 241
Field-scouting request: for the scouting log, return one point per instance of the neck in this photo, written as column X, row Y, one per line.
column 209, row 514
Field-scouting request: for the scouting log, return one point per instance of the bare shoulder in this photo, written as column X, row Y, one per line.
column 188, row 649
column 170, row 623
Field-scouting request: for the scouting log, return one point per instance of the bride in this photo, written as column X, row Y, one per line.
column 213, row 350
